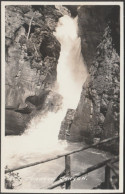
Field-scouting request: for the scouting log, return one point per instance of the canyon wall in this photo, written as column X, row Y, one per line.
column 97, row 114
column 32, row 53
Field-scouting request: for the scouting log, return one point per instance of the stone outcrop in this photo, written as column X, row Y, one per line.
column 66, row 124
column 32, row 53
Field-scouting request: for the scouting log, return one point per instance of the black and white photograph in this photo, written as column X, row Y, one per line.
column 62, row 97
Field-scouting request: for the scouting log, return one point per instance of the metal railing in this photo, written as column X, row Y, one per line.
column 68, row 178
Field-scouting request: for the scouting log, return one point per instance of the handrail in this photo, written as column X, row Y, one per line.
column 88, row 170
column 61, row 155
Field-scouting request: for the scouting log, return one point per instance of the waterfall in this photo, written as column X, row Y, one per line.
column 41, row 134
column 71, row 70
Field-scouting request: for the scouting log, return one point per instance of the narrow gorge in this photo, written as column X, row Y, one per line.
column 62, row 76
column 32, row 54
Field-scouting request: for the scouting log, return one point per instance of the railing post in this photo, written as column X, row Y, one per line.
column 68, row 171
column 107, row 177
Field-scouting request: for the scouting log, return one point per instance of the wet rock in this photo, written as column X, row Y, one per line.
column 38, row 100
column 66, row 124
column 73, row 9
column 15, row 123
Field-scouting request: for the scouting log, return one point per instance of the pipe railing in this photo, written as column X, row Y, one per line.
column 67, row 172
column 86, row 171
column 62, row 155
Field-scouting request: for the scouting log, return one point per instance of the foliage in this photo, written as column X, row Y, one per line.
column 11, row 179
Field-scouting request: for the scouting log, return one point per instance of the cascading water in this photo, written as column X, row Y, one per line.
column 71, row 70
column 42, row 133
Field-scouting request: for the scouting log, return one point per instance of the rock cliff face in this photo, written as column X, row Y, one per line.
column 32, row 53
column 97, row 114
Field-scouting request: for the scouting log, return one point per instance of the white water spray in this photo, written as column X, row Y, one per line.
column 42, row 133
column 71, row 70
